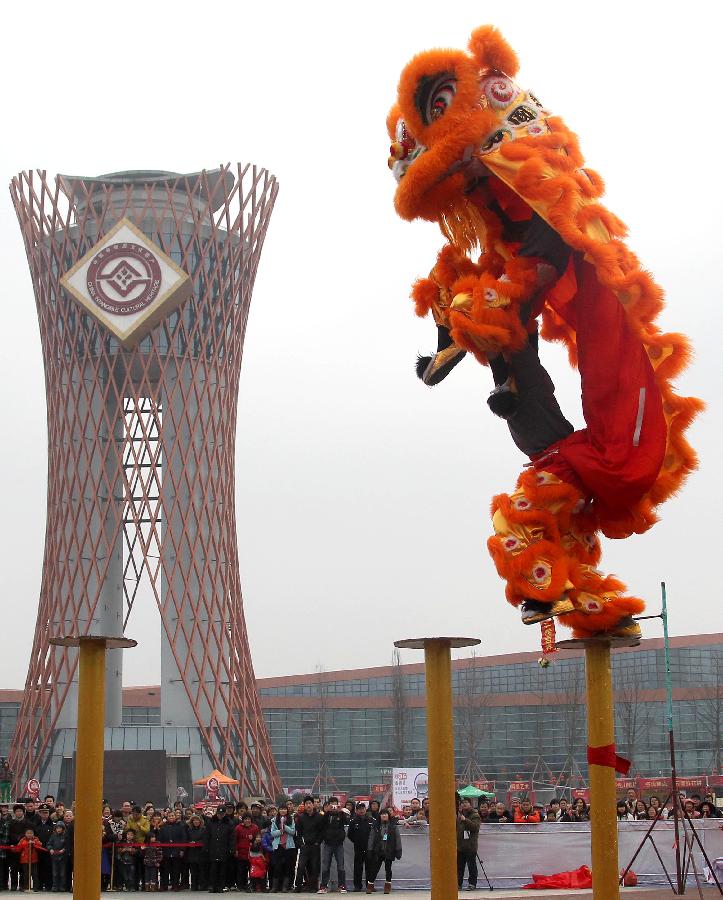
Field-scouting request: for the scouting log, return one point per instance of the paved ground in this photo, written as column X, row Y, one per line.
column 709, row 892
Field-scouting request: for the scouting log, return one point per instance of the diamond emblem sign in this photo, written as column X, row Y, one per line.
column 127, row 283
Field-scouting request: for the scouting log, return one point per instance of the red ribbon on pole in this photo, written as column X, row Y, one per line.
column 606, row 756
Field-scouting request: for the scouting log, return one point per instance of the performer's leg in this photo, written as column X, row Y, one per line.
column 620, row 453
column 546, row 549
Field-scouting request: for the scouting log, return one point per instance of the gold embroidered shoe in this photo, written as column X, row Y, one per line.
column 534, row 611
column 440, row 365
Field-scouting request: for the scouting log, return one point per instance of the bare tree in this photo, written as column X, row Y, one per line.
column 400, row 710
column 710, row 712
column 573, row 690
column 471, row 705
column 324, row 781
column 633, row 714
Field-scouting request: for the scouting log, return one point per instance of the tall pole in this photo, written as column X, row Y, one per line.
column 90, row 747
column 440, row 760
column 89, row 769
column 601, row 733
column 671, row 741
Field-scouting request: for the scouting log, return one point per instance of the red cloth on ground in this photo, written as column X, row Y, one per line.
column 579, row 878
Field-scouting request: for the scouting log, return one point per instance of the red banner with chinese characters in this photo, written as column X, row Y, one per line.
column 520, row 790
column 697, row 783
column 624, row 784
column 655, row 784
column 489, row 786
column 581, row 792
column 379, row 788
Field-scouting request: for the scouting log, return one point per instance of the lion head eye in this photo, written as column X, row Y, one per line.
column 434, row 96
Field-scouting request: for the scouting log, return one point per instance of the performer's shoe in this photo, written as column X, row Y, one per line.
column 534, row 611
column 433, row 369
column 503, row 401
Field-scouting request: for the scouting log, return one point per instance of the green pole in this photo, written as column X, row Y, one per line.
column 671, row 740
column 668, row 677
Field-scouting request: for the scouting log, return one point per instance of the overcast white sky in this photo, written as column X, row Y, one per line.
column 363, row 496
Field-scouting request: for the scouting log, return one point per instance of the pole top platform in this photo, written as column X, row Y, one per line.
column 110, row 643
column 421, row 643
column 611, row 640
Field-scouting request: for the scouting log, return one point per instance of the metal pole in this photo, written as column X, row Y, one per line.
column 601, row 733
column 440, row 750
column 671, row 742
column 89, row 769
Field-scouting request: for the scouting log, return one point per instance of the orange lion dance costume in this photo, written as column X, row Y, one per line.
column 484, row 159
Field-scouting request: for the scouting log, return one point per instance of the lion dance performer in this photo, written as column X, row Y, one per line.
column 484, row 159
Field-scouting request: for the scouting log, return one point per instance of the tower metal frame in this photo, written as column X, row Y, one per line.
column 141, row 452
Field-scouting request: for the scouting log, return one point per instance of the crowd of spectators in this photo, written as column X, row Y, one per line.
column 629, row 808
column 214, row 847
column 217, row 847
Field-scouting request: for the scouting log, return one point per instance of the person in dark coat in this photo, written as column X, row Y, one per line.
column 385, row 845
column 333, row 845
column 174, row 831
column 309, row 834
column 468, row 822
column 358, row 833
column 197, row 856
column 43, row 830
column 219, row 845
column 16, row 829
column 56, row 853
column 5, row 818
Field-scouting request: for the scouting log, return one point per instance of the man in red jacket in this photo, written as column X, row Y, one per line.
column 526, row 814
column 245, row 832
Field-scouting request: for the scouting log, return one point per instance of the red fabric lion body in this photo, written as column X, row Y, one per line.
column 483, row 158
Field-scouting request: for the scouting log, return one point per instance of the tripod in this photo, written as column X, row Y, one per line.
column 482, row 866
column 679, row 812
column 682, row 865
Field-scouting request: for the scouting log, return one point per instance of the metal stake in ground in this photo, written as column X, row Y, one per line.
column 440, row 758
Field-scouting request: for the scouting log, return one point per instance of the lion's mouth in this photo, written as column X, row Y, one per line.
column 468, row 164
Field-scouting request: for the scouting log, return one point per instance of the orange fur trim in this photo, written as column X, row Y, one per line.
column 492, row 51
column 424, row 293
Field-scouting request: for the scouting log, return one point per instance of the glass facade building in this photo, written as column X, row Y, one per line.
column 513, row 719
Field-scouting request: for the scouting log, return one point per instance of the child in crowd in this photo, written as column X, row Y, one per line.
column 152, row 858
column 258, row 865
column 27, row 847
column 56, row 849
column 127, row 854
